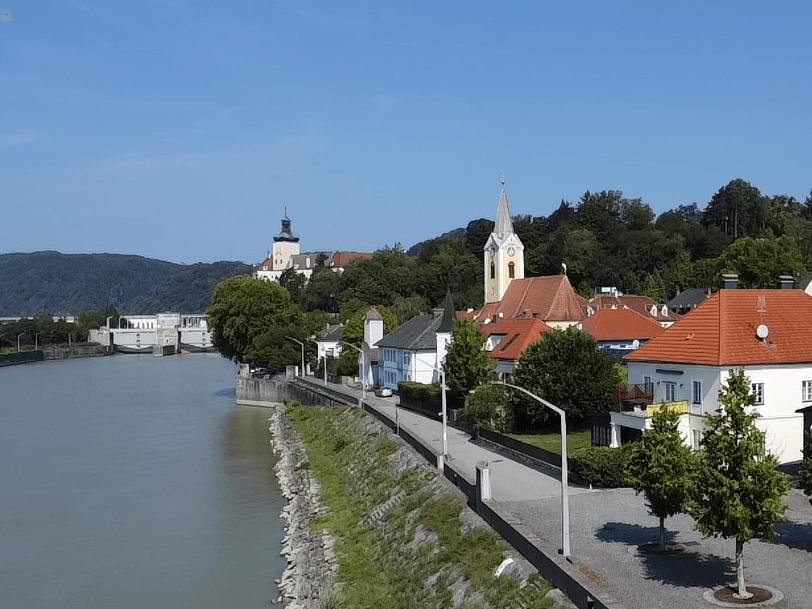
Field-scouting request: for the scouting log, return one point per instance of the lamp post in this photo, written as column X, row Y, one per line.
column 302, row 344
column 565, row 505
column 363, row 371
column 18, row 341
column 36, row 340
column 1, row 342
column 441, row 373
column 313, row 340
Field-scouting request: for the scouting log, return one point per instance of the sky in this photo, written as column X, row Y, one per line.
column 183, row 130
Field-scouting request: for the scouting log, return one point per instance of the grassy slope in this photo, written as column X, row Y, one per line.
column 380, row 565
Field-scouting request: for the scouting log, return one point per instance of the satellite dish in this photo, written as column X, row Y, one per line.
column 762, row 331
column 635, row 344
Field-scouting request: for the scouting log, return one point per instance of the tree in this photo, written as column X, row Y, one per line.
column 738, row 209
column 565, row 368
column 759, row 263
column 487, row 408
column 739, row 490
column 242, row 309
column 661, row 467
column 467, row 365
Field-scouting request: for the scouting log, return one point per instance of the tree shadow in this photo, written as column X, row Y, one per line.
column 687, row 568
column 794, row 535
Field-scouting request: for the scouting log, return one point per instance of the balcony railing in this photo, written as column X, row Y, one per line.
column 680, row 407
column 626, row 398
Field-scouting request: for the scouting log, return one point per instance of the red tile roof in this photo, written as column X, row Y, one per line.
column 519, row 334
column 621, row 324
column 722, row 331
column 549, row 298
column 342, row 259
column 641, row 304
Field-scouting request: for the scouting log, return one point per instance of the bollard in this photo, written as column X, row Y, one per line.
column 483, row 481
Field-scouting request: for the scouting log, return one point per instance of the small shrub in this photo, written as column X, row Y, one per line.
column 602, row 466
column 420, row 391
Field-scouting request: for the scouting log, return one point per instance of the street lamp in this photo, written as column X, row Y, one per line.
column 18, row 341
column 302, row 344
column 313, row 340
column 565, row 504
column 36, row 341
column 441, row 373
column 363, row 371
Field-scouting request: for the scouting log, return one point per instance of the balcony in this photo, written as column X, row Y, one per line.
column 634, row 397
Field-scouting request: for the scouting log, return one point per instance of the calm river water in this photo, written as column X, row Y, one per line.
column 135, row 481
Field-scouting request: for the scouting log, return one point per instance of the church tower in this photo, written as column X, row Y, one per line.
column 285, row 246
column 504, row 254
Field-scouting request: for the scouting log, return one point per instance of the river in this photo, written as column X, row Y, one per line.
column 135, row 481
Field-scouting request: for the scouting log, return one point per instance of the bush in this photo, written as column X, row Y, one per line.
column 602, row 466
column 487, row 408
column 431, row 394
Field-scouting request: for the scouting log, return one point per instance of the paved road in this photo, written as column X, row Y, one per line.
column 608, row 526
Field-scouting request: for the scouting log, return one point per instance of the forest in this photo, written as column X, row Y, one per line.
column 605, row 239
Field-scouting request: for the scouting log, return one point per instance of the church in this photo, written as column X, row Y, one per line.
column 286, row 254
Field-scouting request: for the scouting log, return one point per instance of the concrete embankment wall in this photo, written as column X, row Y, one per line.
column 275, row 390
column 564, row 574
column 27, row 357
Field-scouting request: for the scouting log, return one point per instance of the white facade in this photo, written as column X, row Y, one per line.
column 783, row 390
column 403, row 365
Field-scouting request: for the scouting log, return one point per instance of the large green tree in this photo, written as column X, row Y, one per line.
column 467, row 365
column 661, row 467
column 565, row 368
column 759, row 263
column 242, row 309
column 739, row 492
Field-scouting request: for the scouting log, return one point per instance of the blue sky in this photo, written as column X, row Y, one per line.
column 181, row 130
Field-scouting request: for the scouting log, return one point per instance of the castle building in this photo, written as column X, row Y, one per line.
column 504, row 254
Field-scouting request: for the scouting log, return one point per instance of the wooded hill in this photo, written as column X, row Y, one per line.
column 71, row 283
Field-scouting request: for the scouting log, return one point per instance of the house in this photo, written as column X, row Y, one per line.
column 765, row 332
column 642, row 304
column 369, row 359
column 329, row 345
column 550, row 299
column 416, row 350
column 687, row 301
column 338, row 261
column 508, row 338
column 619, row 331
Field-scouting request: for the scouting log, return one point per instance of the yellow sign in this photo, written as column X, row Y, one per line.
column 680, row 407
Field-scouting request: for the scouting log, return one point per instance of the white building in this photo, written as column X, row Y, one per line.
column 764, row 332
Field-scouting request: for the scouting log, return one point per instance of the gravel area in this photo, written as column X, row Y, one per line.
column 607, row 526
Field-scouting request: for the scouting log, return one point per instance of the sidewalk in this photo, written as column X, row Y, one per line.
column 608, row 525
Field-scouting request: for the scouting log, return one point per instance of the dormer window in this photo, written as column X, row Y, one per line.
column 654, row 310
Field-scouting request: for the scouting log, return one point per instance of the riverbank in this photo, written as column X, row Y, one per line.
column 40, row 355
column 371, row 525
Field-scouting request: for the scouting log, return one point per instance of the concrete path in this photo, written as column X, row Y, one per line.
column 608, row 526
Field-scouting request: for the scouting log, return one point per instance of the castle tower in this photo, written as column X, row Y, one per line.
column 504, row 254
column 285, row 246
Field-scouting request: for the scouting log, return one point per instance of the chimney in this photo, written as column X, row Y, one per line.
column 730, row 281
column 786, row 282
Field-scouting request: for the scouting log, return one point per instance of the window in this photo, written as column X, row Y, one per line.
column 806, row 391
column 697, row 439
column 511, row 270
column 648, row 384
column 670, row 389
column 493, row 271
column 758, row 391
column 696, row 394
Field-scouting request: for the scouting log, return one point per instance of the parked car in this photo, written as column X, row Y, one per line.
column 383, row 392
column 259, row 372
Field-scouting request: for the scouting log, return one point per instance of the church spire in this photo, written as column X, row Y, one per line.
column 504, row 225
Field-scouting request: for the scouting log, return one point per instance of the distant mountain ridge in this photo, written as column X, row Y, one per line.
column 70, row 283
